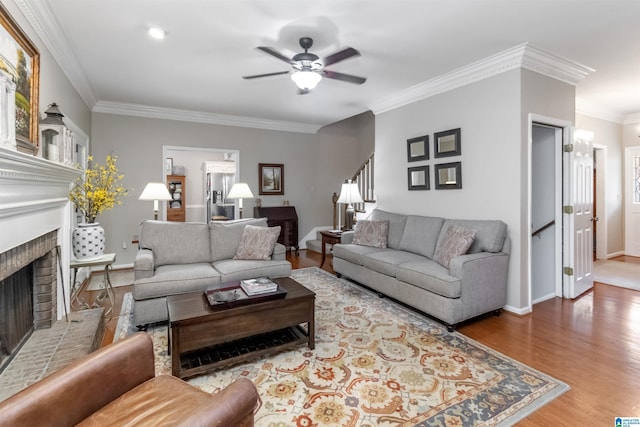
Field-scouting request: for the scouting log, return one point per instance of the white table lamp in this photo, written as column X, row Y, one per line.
column 155, row 191
column 349, row 194
column 240, row 190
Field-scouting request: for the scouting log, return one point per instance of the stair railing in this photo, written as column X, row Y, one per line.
column 364, row 177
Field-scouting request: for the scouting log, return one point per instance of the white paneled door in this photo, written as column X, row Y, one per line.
column 578, row 205
column 632, row 201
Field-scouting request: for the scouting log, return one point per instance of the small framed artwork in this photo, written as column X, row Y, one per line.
column 168, row 165
column 418, row 178
column 271, row 178
column 447, row 143
column 22, row 61
column 448, row 176
column 418, row 148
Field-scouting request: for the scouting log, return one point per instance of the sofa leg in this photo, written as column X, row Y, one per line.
column 497, row 312
column 143, row 328
column 338, row 275
column 380, row 295
column 451, row 328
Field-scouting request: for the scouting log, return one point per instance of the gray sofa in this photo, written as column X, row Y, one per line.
column 473, row 284
column 183, row 257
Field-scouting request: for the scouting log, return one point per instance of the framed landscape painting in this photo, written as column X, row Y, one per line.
column 271, row 176
column 20, row 59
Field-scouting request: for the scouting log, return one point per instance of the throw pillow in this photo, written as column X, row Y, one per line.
column 257, row 242
column 371, row 233
column 456, row 242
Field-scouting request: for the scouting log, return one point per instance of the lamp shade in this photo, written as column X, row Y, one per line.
column 306, row 79
column 155, row 191
column 349, row 193
column 240, row 190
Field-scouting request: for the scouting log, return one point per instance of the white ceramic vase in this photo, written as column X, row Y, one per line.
column 88, row 241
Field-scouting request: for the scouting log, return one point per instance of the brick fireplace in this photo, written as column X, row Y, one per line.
column 36, row 218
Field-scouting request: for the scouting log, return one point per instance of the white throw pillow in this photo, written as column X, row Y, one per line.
column 257, row 242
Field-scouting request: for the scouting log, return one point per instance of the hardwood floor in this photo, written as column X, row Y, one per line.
column 591, row 343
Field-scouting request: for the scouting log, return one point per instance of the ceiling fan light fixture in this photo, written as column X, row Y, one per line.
column 306, row 79
column 157, row 33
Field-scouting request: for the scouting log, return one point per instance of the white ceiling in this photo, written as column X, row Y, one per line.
column 104, row 49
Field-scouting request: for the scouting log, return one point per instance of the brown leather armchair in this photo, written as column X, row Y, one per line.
column 117, row 386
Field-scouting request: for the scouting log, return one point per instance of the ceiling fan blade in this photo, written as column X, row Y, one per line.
column 257, row 76
column 344, row 77
column 273, row 52
column 340, row 56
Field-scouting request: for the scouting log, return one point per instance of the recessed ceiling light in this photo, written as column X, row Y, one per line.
column 157, row 33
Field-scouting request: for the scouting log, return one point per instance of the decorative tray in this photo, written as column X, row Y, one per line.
column 234, row 296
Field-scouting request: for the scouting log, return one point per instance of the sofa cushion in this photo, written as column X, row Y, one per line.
column 396, row 225
column 371, row 233
column 386, row 261
column 248, row 269
column 421, row 234
column 490, row 234
column 175, row 280
column 226, row 235
column 257, row 242
column 353, row 253
column 456, row 242
column 429, row 275
column 176, row 242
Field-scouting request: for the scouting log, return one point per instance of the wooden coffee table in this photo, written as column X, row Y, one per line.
column 202, row 339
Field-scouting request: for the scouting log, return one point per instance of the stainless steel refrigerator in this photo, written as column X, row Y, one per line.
column 219, row 177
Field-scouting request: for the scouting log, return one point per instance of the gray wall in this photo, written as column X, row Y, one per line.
column 314, row 165
column 492, row 115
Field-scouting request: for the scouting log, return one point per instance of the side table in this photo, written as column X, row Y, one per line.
column 329, row 237
column 105, row 260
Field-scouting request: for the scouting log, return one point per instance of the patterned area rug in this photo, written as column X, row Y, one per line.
column 118, row 278
column 377, row 363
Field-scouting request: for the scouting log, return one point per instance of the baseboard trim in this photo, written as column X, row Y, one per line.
column 519, row 311
column 615, row 254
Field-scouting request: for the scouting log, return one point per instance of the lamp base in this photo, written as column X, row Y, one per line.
column 348, row 220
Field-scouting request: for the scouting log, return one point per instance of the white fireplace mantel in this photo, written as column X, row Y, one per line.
column 34, row 200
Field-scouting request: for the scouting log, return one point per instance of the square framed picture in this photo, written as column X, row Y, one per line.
column 448, row 176
column 418, row 178
column 447, row 143
column 271, row 179
column 418, row 148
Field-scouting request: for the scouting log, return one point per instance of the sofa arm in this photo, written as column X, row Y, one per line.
column 279, row 252
column 76, row 391
column 484, row 281
column 143, row 265
column 346, row 237
column 232, row 406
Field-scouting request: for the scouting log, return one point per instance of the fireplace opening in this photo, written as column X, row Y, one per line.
column 16, row 312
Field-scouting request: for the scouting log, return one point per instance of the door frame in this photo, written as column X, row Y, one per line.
column 565, row 132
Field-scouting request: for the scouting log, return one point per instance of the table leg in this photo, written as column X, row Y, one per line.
column 312, row 328
column 108, row 289
column 324, row 250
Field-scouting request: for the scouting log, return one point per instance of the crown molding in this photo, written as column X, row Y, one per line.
column 201, row 117
column 42, row 18
column 520, row 56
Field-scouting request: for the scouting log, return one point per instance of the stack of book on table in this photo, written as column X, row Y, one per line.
column 261, row 285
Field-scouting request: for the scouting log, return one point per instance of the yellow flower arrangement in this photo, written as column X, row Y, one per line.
column 99, row 190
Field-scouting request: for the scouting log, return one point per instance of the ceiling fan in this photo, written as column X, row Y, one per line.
column 307, row 68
